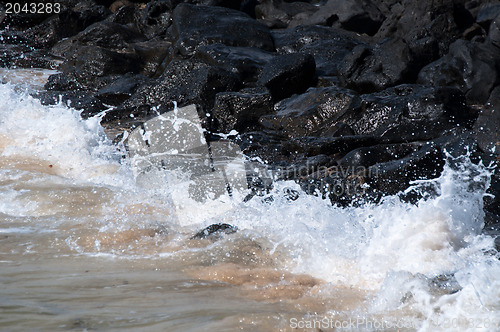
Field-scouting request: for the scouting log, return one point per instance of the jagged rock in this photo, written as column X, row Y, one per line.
column 487, row 12
column 328, row 45
column 409, row 113
column 246, row 62
column 287, row 74
column 469, row 66
column 240, row 110
column 487, row 125
column 374, row 68
column 185, row 82
column 310, row 113
column 195, row 26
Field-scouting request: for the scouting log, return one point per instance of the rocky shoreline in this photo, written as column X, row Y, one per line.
column 332, row 93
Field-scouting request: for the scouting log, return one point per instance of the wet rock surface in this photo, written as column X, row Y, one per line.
column 333, row 94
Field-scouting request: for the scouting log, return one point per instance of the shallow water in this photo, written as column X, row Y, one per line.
column 83, row 247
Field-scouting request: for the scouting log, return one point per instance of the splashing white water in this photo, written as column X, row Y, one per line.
column 394, row 250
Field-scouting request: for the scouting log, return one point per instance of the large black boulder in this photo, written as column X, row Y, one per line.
column 240, row 110
column 469, row 66
column 328, row 45
column 409, row 113
column 194, row 26
column 375, row 67
column 282, row 14
column 288, row 74
column 246, row 62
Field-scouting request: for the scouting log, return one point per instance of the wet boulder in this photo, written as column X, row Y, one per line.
column 310, row 113
column 494, row 32
column 328, row 45
column 409, row 112
column 288, row 74
column 487, row 125
column 469, row 66
column 91, row 68
column 152, row 55
column 246, row 62
column 184, row 82
column 371, row 68
column 240, row 110
column 194, row 26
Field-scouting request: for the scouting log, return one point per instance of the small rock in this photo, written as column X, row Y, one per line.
column 215, row 230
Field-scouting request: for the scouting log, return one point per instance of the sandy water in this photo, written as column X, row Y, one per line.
column 83, row 247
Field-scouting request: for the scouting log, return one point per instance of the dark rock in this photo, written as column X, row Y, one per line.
column 124, row 15
column 195, row 26
column 185, row 82
column 360, row 16
column 215, row 230
column 120, row 90
column 310, row 113
column 469, row 66
column 287, row 74
column 83, row 101
column 374, row 68
column 240, row 110
column 487, row 125
column 409, row 112
column 329, row 46
column 92, row 67
column 246, row 62
column 281, row 14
